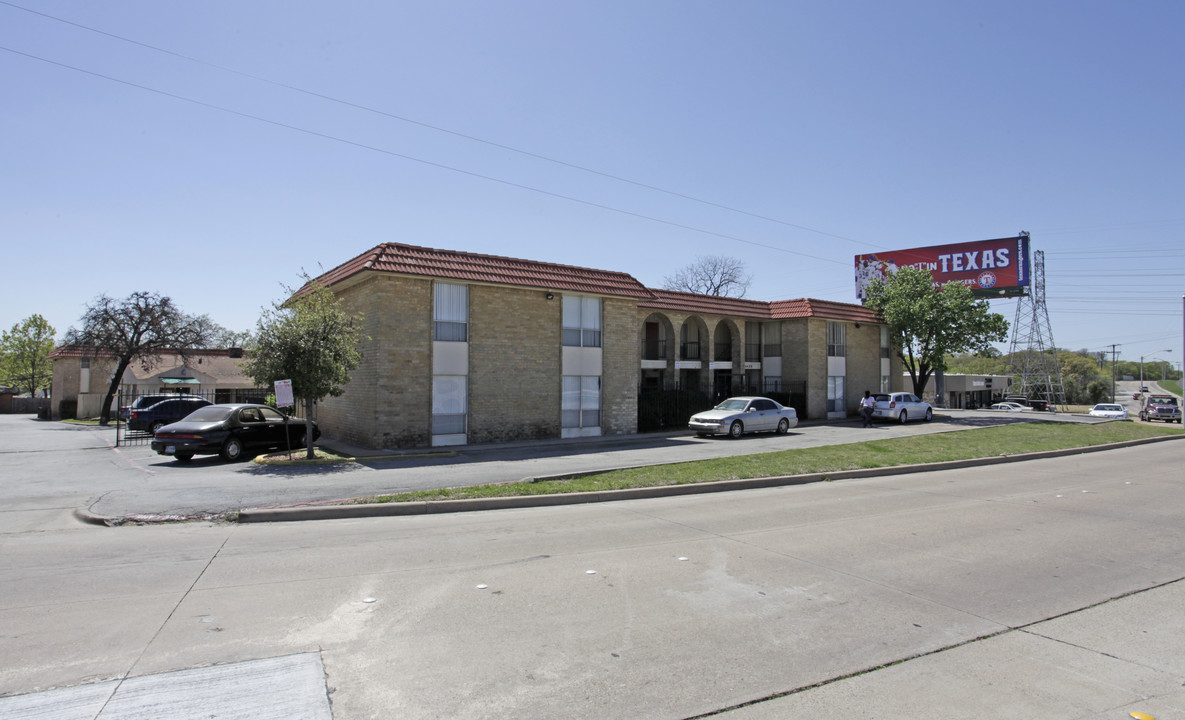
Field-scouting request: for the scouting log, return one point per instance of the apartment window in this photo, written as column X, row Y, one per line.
column 450, row 313
column 752, row 342
column 582, row 321
column 689, row 342
column 835, row 394
column 580, row 402
column 449, row 404
column 835, row 340
column 84, row 376
column 885, row 341
column 771, row 336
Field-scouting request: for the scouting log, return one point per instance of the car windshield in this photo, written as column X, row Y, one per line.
column 1164, row 401
column 881, row 398
column 733, row 405
column 210, row 413
column 1107, row 407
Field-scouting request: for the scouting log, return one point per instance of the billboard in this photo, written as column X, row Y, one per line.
column 993, row 268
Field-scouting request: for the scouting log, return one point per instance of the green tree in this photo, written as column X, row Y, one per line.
column 310, row 340
column 1097, row 392
column 990, row 362
column 1080, row 370
column 139, row 328
column 927, row 323
column 24, row 355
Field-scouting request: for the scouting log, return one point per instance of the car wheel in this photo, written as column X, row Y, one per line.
column 903, row 417
column 298, row 439
column 783, row 426
column 156, row 426
column 232, row 450
column 929, row 414
column 737, row 429
column 183, row 457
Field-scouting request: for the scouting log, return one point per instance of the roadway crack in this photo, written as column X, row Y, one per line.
column 1026, row 628
column 161, row 628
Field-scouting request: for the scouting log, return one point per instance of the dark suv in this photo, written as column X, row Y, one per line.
column 157, row 415
column 141, row 403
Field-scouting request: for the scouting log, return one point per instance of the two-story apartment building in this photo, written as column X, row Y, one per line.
column 467, row 348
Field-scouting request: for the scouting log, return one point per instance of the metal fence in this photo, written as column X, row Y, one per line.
column 126, row 398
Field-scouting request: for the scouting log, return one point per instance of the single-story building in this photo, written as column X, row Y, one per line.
column 467, row 348
column 966, row 392
column 81, row 377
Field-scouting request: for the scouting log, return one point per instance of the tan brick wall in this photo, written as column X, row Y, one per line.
column 804, row 359
column 863, row 363
column 514, row 364
column 388, row 402
column 620, row 366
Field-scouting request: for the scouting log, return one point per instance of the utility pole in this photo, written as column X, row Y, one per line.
column 1113, row 372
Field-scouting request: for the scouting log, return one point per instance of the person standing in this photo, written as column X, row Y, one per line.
column 867, row 403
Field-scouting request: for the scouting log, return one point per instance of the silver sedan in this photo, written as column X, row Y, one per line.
column 736, row 416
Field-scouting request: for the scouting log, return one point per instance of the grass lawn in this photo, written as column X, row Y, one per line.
column 956, row 445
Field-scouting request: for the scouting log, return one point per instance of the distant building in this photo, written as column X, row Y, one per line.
column 967, row 392
column 81, row 377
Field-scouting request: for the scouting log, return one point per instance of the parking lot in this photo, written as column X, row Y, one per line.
column 48, row 464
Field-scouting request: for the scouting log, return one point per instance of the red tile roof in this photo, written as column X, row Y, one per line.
column 471, row 267
column 706, row 304
column 809, row 307
column 758, row 309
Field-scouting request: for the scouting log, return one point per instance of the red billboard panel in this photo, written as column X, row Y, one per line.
column 993, row 268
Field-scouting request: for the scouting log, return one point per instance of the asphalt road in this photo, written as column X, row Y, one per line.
column 1050, row 588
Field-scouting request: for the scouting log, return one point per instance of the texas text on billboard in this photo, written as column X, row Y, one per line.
column 993, row 268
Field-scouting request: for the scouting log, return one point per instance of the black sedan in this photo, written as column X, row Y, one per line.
column 232, row 431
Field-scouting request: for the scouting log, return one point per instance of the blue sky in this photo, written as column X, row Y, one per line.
column 212, row 151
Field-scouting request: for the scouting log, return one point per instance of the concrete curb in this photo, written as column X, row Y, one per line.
column 339, row 512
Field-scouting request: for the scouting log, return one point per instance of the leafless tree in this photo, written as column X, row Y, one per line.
column 139, row 328
column 712, row 275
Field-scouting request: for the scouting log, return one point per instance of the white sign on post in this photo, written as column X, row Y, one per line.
column 284, row 393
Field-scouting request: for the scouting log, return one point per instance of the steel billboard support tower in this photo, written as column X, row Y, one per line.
column 1032, row 352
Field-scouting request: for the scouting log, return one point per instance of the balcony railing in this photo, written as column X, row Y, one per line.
column 752, row 352
column 723, row 352
column 689, row 351
column 773, row 350
column 654, row 349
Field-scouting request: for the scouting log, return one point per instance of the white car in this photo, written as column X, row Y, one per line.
column 1109, row 410
column 736, row 416
column 1010, row 407
column 901, row 407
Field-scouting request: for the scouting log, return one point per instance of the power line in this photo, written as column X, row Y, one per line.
column 430, row 163
column 454, row 133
